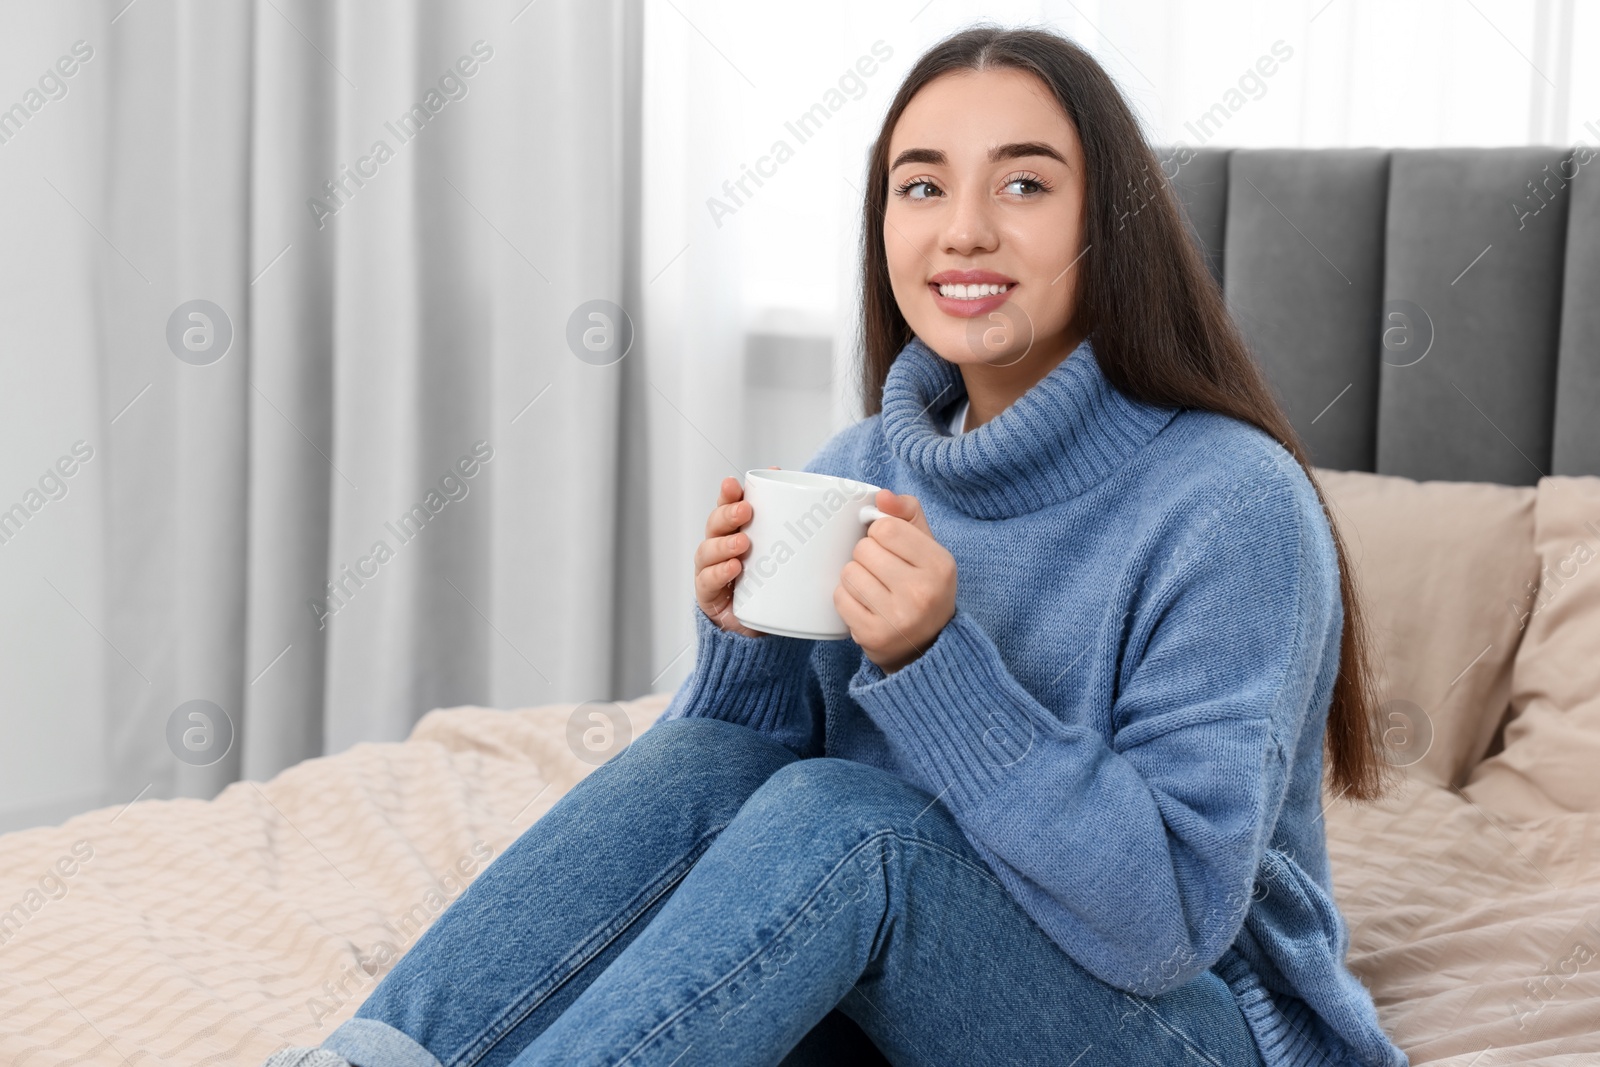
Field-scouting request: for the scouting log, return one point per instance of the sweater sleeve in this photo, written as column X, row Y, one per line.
column 765, row 683
column 1138, row 855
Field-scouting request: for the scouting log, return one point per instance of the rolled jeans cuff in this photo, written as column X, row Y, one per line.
column 370, row 1043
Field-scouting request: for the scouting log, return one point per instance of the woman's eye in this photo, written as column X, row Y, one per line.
column 909, row 190
column 1034, row 186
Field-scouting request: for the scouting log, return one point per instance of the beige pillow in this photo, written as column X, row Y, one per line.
column 1438, row 565
column 1551, row 760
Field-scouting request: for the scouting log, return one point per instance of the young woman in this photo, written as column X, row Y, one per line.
column 1058, row 798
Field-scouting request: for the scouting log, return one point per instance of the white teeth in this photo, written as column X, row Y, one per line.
column 971, row 292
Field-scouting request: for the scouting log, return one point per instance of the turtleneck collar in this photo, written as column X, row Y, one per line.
column 1066, row 434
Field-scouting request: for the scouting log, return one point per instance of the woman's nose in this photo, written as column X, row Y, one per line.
column 970, row 226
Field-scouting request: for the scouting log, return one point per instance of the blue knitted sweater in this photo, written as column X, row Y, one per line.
column 1126, row 713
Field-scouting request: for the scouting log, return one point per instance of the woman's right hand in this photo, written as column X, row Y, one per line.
column 716, row 562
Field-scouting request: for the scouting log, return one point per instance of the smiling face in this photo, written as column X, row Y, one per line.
column 984, row 218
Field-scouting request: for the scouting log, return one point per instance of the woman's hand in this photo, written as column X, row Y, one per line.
column 715, row 562
column 899, row 588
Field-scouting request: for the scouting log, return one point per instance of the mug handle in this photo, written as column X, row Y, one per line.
column 869, row 513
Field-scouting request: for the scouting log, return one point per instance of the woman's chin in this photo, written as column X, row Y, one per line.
column 996, row 341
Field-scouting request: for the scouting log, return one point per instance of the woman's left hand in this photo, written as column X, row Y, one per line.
column 899, row 588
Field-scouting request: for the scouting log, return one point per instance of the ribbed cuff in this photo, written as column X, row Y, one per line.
column 1289, row 1033
column 955, row 711
column 1285, row 1035
column 754, row 681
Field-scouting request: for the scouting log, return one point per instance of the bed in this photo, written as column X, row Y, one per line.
column 214, row 932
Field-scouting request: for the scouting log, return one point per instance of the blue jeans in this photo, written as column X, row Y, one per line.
column 706, row 897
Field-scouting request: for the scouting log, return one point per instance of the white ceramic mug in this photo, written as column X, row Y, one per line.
column 803, row 529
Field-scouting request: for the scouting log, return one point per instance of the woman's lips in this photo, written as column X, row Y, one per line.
column 970, row 309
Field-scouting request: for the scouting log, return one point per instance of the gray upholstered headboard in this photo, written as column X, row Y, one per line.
column 1433, row 314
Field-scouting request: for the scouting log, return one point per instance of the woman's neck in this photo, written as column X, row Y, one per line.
column 991, row 389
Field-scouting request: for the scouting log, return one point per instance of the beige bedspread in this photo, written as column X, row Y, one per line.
column 214, row 932
column 194, row 933
column 1478, row 937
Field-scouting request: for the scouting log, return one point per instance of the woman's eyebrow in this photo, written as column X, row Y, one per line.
column 933, row 157
column 1022, row 149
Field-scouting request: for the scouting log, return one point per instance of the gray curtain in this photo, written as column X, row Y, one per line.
column 400, row 486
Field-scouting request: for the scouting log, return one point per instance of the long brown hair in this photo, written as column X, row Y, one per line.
column 1157, row 319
